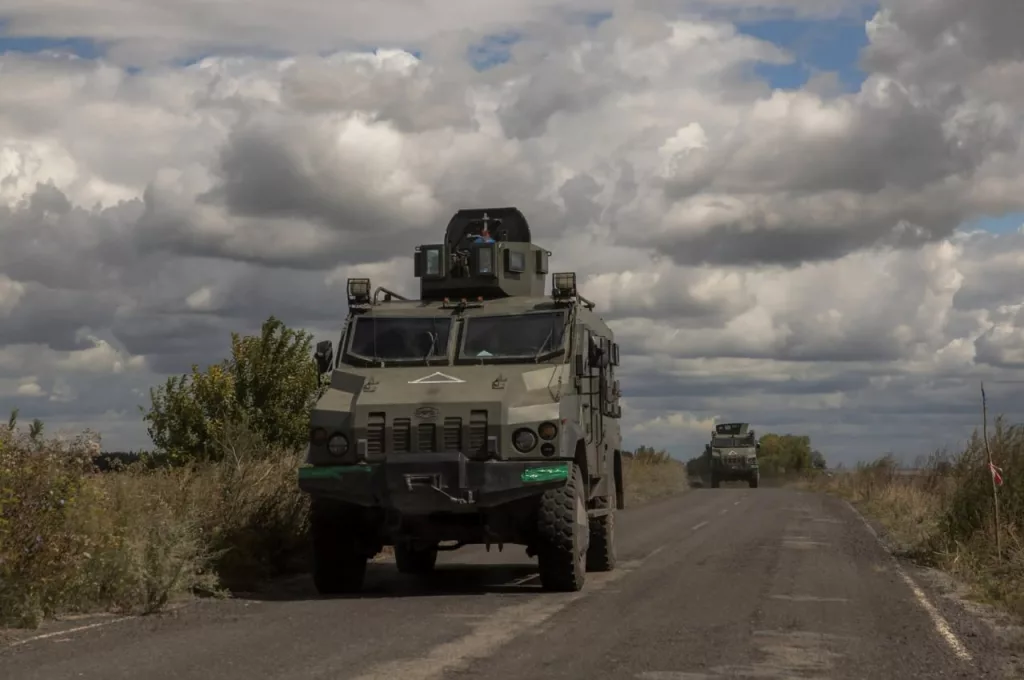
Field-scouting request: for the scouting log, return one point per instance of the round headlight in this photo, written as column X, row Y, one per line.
column 524, row 440
column 547, row 431
column 337, row 445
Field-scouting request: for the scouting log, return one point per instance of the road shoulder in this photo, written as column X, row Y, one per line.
column 989, row 633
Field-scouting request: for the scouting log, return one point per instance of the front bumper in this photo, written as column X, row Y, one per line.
column 734, row 466
column 432, row 482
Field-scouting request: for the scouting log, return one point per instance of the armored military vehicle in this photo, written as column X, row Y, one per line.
column 485, row 412
column 731, row 455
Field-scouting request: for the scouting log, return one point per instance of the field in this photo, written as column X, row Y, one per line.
column 75, row 540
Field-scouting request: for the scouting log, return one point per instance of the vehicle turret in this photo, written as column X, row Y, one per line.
column 732, row 430
column 487, row 253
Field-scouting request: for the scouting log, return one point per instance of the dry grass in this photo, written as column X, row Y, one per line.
column 652, row 474
column 944, row 516
column 73, row 540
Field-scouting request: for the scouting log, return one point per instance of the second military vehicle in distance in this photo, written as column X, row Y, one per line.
column 486, row 412
column 731, row 455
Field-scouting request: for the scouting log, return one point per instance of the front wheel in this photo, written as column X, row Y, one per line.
column 754, row 481
column 339, row 566
column 563, row 535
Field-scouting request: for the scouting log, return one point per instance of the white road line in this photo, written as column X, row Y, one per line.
column 940, row 623
column 69, row 631
column 698, row 526
column 521, row 581
column 737, row 502
column 724, row 511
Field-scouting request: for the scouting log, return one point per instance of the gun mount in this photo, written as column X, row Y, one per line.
column 732, row 430
column 487, row 253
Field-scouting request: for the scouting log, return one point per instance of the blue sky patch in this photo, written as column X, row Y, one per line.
column 81, row 47
column 998, row 224
column 832, row 45
column 493, row 50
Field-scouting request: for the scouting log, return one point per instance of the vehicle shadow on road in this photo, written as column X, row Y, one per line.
column 383, row 581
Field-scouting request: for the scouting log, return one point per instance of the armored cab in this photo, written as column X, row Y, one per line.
column 731, row 455
column 486, row 412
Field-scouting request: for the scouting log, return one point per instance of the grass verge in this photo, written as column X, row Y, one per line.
column 943, row 516
column 75, row 540
column 650, row 475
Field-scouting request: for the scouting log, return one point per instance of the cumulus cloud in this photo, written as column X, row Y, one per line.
column 789, row 257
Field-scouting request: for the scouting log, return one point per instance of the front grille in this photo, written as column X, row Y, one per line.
column 477, row 432
column 452, row 434
column 402, row 430
column 375, row 427
column 426, row 437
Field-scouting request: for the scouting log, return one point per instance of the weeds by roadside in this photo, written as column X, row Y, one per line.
column 74, row 540
column 651, row 474
column 943, row 516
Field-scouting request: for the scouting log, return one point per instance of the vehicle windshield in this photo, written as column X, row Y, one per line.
column 400, row 339
column 520, row 336
column 731, row 443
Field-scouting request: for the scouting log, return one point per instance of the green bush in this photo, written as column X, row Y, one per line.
column 269, row 385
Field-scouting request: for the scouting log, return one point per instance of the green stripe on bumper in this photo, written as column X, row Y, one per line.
column 331, row 471
column 547, row 473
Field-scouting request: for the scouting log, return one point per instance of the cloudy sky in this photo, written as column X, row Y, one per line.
column 802, row 215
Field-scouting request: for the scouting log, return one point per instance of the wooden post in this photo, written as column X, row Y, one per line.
column 992, row 477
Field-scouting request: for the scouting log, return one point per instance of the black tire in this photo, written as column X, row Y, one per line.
column 412, row 560
column 715, row 481
column 563, row 536
column 754, row 481
column 601, row 553
column 339, row 567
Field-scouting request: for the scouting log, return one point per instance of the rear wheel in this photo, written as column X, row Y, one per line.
column 413, row 559
column 563, row 535
column 601, row 553
column 339, row 565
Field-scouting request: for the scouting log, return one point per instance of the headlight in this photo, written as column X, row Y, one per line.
column 524, row 440
column 337, row 445
column 547, row 431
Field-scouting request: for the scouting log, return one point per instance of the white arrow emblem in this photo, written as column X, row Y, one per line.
column 436, row 379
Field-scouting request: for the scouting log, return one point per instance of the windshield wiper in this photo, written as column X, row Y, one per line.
column 536, row 357
column 433, row 345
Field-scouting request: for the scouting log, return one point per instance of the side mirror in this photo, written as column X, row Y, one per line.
column 324, row 356
column 615, row 354
column 757, row 446
column 579, row 364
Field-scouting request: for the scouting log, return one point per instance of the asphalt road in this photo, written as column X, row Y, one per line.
column 727, row 583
